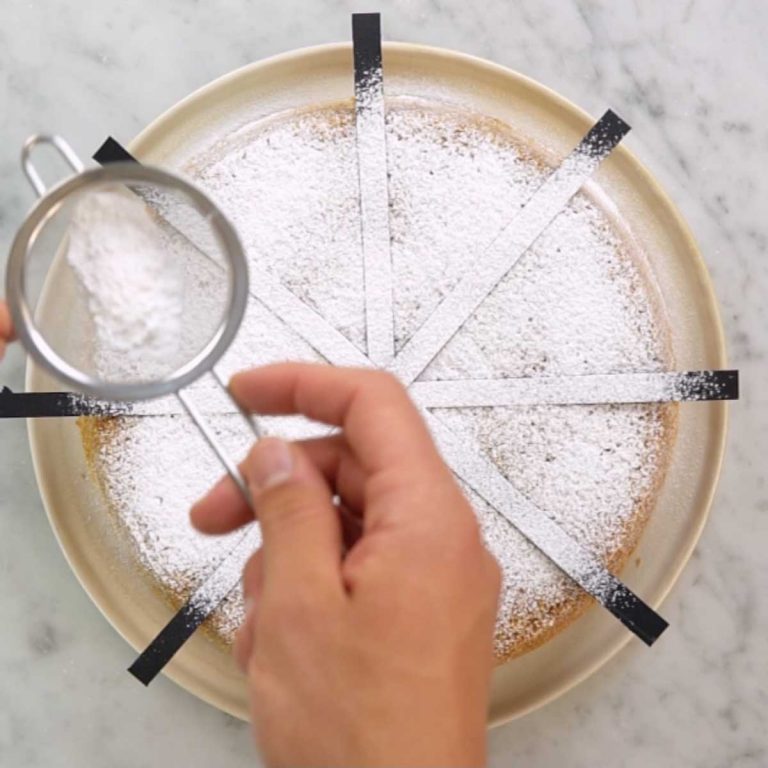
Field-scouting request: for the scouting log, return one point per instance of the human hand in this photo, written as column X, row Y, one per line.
column 380, row 655
column 6, row 328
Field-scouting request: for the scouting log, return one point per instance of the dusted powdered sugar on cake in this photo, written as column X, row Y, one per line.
column 577, row 302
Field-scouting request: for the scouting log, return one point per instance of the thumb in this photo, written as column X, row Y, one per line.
column 6, row 327
column 300, row 526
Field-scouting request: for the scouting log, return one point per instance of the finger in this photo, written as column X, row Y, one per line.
column 244, row 638
column 340, row 467
column 7, row 332
column 351, row 527
column 224, row 509
column 382, row 426
column 253, row 577
column 301, row 535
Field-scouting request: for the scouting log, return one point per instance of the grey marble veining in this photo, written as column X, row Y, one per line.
column 689, row 76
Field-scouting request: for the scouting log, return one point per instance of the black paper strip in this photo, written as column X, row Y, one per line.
column 604, row 135
column 693, row 386
column 575, row 561
column 30, row 405
column 366, row 34
column 190, row 616
column 634, row 614
column 165, row 645
column 111, row 151
column 508, row 247
column 580, row 389
column 371, row 140
column 709, row 385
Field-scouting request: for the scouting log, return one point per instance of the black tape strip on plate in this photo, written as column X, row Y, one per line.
column 694, row 386
column 112, row 151
column 366, row 33
column 189, row 617
column 709, row 385
column 634, row 614
column 604, row 135
column 163, row 648
column 30, row 405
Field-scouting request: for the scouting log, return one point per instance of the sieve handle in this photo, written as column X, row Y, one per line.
column 213, row 441
column 249, row 417
column 34, row 178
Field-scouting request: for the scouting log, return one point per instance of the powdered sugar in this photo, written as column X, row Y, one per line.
column 575, row 303
column 132, row 283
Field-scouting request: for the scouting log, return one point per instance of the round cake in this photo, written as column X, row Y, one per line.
column 581, row 300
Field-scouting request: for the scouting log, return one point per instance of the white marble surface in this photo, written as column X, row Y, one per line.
column 689, row 76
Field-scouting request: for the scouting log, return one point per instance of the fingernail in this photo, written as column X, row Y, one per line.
column 272, row 463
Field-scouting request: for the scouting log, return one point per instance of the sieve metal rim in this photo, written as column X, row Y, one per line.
column 34, row 340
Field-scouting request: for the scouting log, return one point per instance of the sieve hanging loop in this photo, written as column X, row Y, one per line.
column 69, row 155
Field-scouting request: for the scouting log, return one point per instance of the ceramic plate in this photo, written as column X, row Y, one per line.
column 320, row 75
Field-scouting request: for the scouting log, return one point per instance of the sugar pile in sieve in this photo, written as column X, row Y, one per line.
column 133, row 284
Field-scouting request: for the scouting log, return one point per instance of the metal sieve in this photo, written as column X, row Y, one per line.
column 179, row 216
